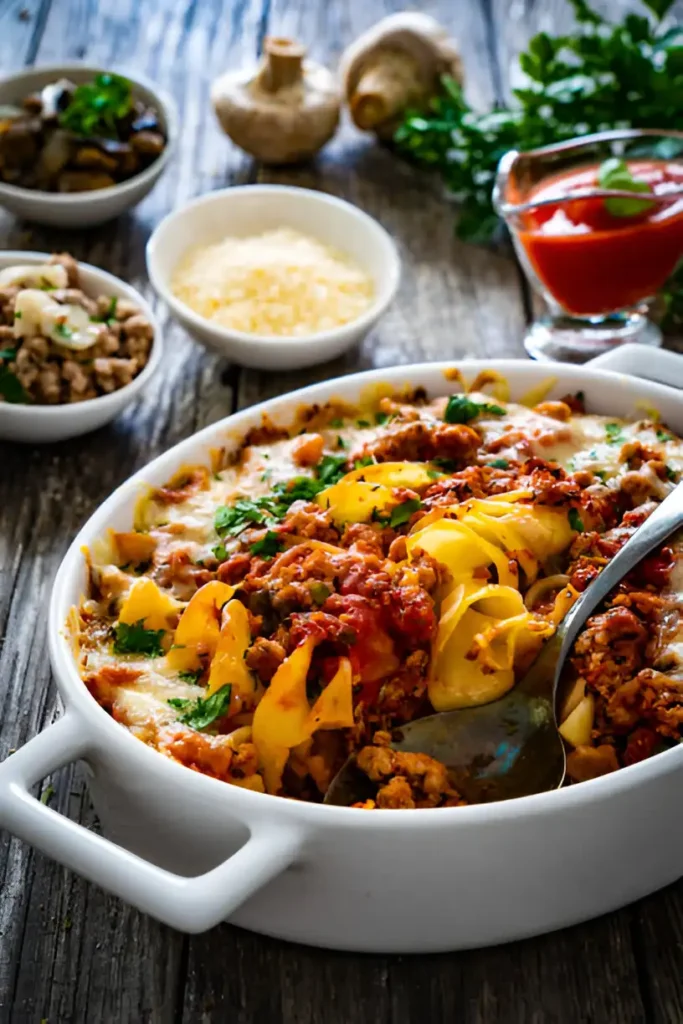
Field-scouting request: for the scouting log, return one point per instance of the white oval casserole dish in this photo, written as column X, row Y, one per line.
column 193, row 851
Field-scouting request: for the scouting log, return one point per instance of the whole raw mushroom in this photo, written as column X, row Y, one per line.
column 395, row 66
column 283, row 111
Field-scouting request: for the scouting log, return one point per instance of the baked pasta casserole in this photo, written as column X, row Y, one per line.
column 308, row 593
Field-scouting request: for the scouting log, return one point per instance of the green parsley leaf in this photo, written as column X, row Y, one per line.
column 381, row 418
column 202, row 713
column 362, row 423
column 498, row 464
column 671, row 474
column 62, row 331
column 331, row 469
column 434, row 474
column 337, row 423
column 447, row 465
column 461, row 409
column 400, row 514
column 268, row 546
column 575, row 520
column 219, row 552
column 190, row 677
column 341, row 443
column 97, row 107
column 135, row 639
column 614, row 433
column 365, row 460
column 11, row 388
column 662, row 435
column 615, row 174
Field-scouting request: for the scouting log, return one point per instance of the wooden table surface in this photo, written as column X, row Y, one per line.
column 68, row 952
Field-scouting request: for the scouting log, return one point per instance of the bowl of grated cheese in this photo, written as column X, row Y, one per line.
column 272, row 276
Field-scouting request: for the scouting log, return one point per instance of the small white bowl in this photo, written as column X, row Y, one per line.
column 85, row 209
column 249, row 210
column 41, row 423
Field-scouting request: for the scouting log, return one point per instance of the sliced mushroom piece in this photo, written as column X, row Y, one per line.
column 94, row 158
column 54, row 155
column 148, row 143
column 19, row 144
column 56, row 97
column 83, row 181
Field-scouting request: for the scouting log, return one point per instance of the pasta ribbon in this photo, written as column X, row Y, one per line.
column 284, row 719
column 415, row 475
column 354, row 501
column 199, row 627
column 144, row 601
column 485, row 630
column 228, row 664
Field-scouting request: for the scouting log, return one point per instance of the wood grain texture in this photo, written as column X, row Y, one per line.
column 68, row 952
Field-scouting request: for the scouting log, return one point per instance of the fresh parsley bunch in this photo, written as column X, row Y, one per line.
column 604, row 75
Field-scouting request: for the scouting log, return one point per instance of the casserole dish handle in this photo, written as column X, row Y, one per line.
column 655, row 364
column 188, row 904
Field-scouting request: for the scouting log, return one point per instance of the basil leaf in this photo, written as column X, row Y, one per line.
column 615, row 174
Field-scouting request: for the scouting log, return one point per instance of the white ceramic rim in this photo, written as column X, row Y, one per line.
column 132, row 750
column 64, row 200
column 26, row 411
column 363, row 323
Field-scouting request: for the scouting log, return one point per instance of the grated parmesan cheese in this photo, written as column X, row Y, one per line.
column 279, row 283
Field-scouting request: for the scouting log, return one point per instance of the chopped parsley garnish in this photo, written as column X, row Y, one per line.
column 191, row 677
column 362, row 423
column 110, row 313
column 381, row 418
column 62, row 331
column 337, row 423
column 11, row 387
column 269, row 509
column 268, row 546
column 433, row 474
column 671, row 474
column 361, row 463
column 220, row 552
column 461, row 409
column 341, row 443
column 96, row 107
column 498, row 464
column 135, row 639
column 319, row 592
column 200, row 713
column 575, row 520
column 331, row 469
column 18, row 314
column 662, row 435
column 402, row 513
column 614, row 433
column 447, row 465
column 601, row 474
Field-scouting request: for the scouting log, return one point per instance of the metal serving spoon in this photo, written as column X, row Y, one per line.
column 511, row 747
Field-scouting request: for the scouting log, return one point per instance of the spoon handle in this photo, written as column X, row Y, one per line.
column 666, row 518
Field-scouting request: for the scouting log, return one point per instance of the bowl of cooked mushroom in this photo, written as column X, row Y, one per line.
column 79, row 144
column 76, row 346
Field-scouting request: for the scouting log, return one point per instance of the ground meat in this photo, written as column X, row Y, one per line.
column 308, row 449
column 52, row 374
column 407, row 780
column 265, row 657
column 421, row 441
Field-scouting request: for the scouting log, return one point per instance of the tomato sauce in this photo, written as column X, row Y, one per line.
column 591, row 261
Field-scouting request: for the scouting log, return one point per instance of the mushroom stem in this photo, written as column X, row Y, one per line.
column 283, row 66
column 384, row 90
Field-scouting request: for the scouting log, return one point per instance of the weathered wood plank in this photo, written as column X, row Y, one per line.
column 67, row 951
column 455, row 300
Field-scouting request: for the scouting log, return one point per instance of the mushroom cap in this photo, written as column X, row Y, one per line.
column 286, row 125
column 416, row 34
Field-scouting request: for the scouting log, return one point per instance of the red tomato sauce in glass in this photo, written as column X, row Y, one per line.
column 593, row 262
